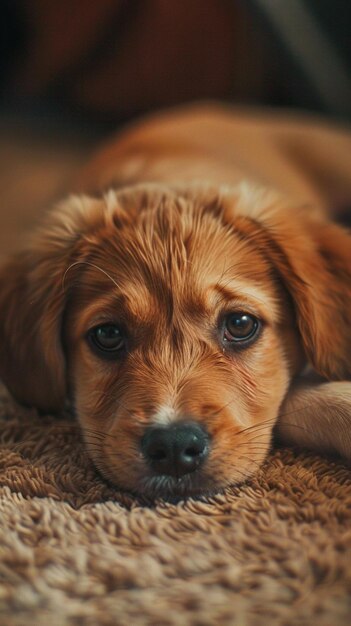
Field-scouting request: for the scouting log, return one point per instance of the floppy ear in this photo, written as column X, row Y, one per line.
column 321, row 288
column 31, row 358
column 32, row 304
column 312, row 257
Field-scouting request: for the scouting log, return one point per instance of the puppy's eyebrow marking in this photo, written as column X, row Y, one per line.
column 91, row 265
column 234, row 288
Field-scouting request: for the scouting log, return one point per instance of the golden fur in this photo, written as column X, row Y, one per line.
column 166, row 260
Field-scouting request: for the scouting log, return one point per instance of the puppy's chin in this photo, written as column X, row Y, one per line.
column 168, row 488
column 194, row 485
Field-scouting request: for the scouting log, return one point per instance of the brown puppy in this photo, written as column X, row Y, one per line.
column 177, row 312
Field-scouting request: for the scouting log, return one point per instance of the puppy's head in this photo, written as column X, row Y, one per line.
column 174, row 320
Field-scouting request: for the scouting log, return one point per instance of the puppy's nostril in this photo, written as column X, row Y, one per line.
column 176, row 450
column 191, row 452
column 158, row 455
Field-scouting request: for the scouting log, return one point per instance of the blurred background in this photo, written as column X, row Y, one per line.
column 73, row 70
column 109, row 60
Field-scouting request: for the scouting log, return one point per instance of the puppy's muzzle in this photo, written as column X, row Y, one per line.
column 175, row 450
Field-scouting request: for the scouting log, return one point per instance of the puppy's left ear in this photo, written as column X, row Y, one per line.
column 312, row 258
column 325, row 306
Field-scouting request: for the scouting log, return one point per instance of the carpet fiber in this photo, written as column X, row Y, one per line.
column 74, row 550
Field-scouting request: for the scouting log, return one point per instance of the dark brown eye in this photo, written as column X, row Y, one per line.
column 240, row 327
column 107, row 338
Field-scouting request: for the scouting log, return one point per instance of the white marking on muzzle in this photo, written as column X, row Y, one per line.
column 165, row 415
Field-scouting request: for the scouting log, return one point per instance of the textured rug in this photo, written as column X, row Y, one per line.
column 75, row 551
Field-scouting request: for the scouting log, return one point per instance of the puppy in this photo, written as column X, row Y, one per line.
column 178, row 305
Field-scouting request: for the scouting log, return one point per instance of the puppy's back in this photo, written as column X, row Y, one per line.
column 223, row 145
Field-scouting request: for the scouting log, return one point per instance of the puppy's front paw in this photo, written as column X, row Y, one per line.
column 318, row 416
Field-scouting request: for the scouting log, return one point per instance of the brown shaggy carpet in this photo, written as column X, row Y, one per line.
column 74, row 550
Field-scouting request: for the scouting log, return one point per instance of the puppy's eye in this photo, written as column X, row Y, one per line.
column 107, row 338
column 240, row 327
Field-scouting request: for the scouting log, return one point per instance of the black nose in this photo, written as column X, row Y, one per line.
column 175, row 450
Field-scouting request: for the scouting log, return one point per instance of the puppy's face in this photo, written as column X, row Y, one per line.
column 178, row 330
column 179, row 338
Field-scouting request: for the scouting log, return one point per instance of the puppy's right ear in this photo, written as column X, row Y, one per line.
column 31, row 357
column 33, row 301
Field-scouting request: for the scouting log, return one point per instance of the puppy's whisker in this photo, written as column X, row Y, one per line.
column 221, row 409
column 250, row 460
column 255, row 427
column 114, row 400
column 301, row 408
column 95, row 433
column 261, row 429
column 253, row 439
column 99, row 434
column 239, row 474
column 224, row 272
column 91, row 265
column 254, row 444
column 275, row 421
column 298, row 426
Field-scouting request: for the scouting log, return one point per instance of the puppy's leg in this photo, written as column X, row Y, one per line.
column 317, row 415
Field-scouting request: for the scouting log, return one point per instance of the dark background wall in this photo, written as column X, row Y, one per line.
column 105, row 62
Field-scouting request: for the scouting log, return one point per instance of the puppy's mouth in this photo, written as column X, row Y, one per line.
column 170, row 488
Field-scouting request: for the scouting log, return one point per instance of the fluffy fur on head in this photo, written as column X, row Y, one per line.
column 167, row 266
